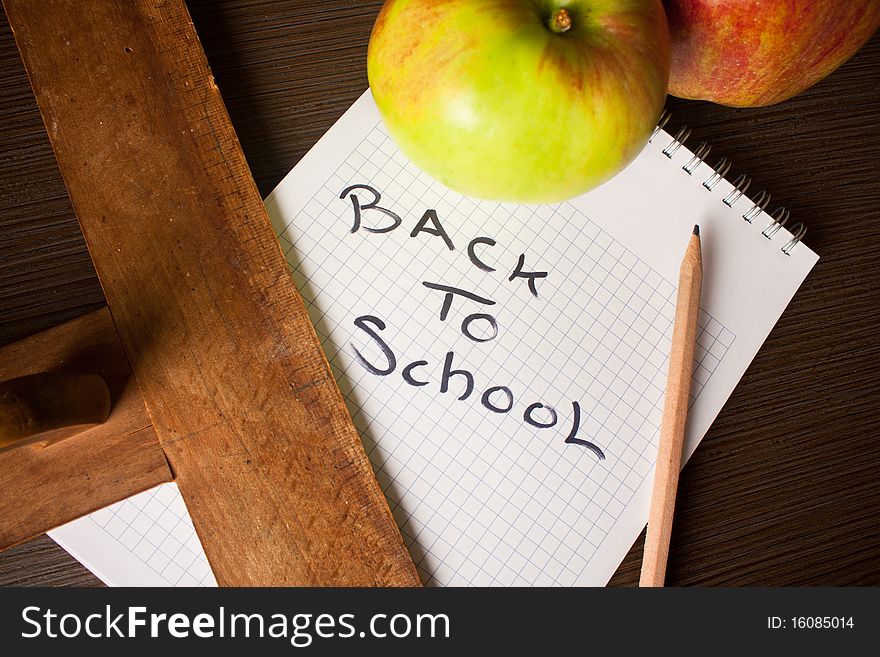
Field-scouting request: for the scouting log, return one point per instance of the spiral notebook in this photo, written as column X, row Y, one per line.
column 504, row 364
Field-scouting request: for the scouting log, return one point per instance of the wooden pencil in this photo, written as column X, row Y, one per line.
column 675, row 409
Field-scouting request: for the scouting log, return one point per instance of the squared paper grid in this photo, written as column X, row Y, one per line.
column 157, row 529
column 482, row 498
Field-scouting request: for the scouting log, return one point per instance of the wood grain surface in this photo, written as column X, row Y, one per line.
column 42, row 487
column 240, row 393
column 784, row 488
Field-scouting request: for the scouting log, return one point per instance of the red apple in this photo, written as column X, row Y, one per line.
column 750, row 53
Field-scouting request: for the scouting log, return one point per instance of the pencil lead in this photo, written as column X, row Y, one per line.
column 697, row 230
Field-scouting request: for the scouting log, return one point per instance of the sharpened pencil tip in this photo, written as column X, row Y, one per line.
column 697, row 230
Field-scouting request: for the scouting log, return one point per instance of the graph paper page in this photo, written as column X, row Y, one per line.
column 146, row 540
column 505, row 365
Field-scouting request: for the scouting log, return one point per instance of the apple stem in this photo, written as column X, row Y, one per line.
column 560, row 21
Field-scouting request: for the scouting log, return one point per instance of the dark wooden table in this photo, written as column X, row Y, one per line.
column 785, row 488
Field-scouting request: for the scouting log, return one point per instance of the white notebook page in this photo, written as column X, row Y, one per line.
column 146, row 540
column 486, row 495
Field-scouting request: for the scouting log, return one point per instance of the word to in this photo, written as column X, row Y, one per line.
column 479, row 327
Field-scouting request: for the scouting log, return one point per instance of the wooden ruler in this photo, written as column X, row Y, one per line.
column 232, row 374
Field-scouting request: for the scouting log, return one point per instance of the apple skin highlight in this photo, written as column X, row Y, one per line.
column 487, row 99
column 751, row 53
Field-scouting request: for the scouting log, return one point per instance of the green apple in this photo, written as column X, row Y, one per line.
column 520, row 100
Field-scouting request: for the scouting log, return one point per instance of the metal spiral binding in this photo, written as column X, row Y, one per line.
column 700, row 155
column 780, row 218
column 677, row 142
column 741, row 185
column 664, row 119
column 798, row 231
column 762, row 200
column 721, row 170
